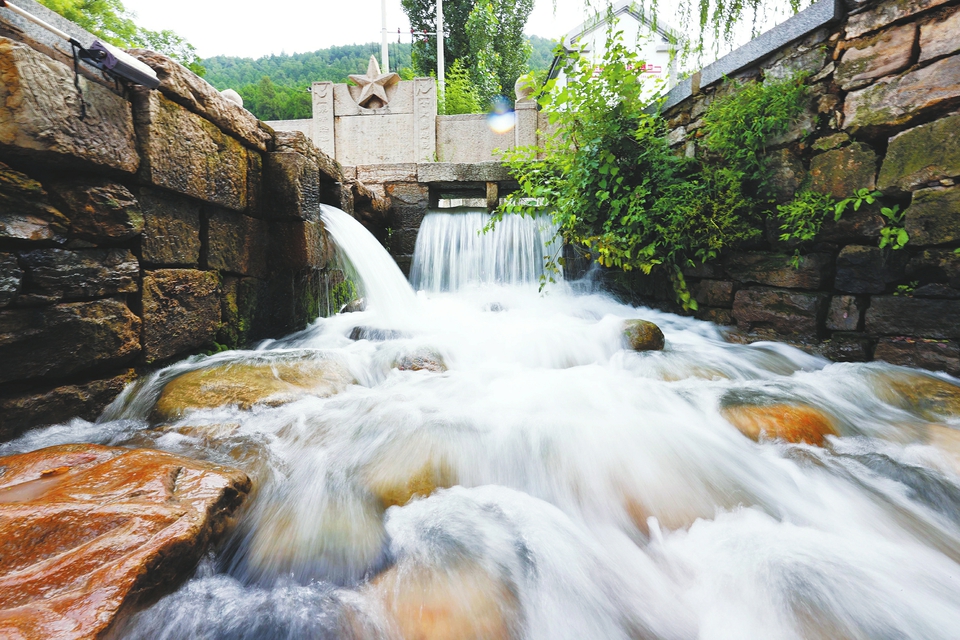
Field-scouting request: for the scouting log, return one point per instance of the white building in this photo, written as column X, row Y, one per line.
column 653, row 40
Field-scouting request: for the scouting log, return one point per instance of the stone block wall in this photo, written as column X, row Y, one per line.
column 884, row 113
column 158, row 225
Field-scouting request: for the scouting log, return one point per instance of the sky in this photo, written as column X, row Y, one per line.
column 253, row 29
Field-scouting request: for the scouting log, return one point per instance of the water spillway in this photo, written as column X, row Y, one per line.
column 454, row 251
column 500, row 465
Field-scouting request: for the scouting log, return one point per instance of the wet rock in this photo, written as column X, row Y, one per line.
column 89, row 273
column 181, row 85
column 924, row 154
column 301, row 243
column 935, row 355
column 896, row 102
column 936, row 265
column 20, row 412
column 881, row 55
column 642, row 335
column 99, row 210
column 786, row 174
column 867, row 269
column 408, row 203
column 396, row 481
column 792, row 422
column 861, row 226
column 886, row 13
column 463, row 601
column 272, row 382
column 939, row 38
column 25, row 213
column 353, row 306
column 10, row 278
column 936, row 290
column 929, row 397
column 293, row 185
column 171, row 234
column 842, row 172
column 716, row 316
column 933, row 216
column 830, row 142
column 777, row 270
column 238, row 310
column 67, row 338
column 236, row 243
column 841, row 347
column 845, row 313
column 921, row 317
column 783, row 311
column 176, row 147
column 421, row 360
column 88, row 532
column 714, row 293
column 181, row 311
column 376, row 335
column 40, row 113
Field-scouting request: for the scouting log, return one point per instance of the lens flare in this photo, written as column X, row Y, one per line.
column 501, row 118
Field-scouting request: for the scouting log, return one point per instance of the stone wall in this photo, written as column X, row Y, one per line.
column 159, row 224
column 883, row 114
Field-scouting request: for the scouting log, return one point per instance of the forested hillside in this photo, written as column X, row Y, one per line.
column 277, row 87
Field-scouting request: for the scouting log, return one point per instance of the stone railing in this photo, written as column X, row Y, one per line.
column 160, row 224
column 885, row 90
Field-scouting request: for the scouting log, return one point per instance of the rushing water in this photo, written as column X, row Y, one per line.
column 452, row 251
column 593, row 491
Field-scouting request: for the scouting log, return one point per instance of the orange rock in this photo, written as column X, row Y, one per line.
column 457, row 603
column 929, row 397
column 397, row 486
column 790, row 422
column 245, row 384
column 87, row 532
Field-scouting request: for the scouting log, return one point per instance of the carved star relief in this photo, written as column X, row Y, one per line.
column 373, row 85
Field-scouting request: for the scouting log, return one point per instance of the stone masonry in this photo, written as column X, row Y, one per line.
column 884, row 113
column 162, row 224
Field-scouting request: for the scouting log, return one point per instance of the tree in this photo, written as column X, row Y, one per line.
column 423, row 19
column 110, row 21
column 461, row 94
column 498, row 50
column 486, row 34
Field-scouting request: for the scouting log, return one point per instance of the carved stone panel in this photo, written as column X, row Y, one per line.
column 323, row 132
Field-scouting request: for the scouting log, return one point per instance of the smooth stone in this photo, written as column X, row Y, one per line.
column 89, row 532
column 463, row 602
column 421, row 360
column 792, row 422
column 245, row 384
column 927, row 396
column 642, row 335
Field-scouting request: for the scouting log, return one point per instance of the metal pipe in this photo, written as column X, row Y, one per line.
column 34, row 19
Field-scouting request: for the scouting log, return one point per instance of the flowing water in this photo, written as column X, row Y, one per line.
column 550, row 483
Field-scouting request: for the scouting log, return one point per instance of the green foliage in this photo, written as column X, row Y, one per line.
column 801, row 218
column 459, row 95
column 333, row 64
column 858, row 199
column 613, row 184
column 110, row 21
column 744, row 118
column 893, row 234
column 487, row 35
column 906, row 289
column 269, row 101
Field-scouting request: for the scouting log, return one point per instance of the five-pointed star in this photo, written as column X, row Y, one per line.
column 374, row 84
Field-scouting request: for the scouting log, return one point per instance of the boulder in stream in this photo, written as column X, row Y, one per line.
column 244, row 384
column 421, row 360
column 642, row 335
column 791, row 421
column 927, row 396
column 89, row 532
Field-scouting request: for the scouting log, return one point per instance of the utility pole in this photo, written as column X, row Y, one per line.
column 440, row 62
column 384, row 51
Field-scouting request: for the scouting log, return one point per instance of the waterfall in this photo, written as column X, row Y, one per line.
column 503, row 466
column 452, row 250
column 385, row 290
